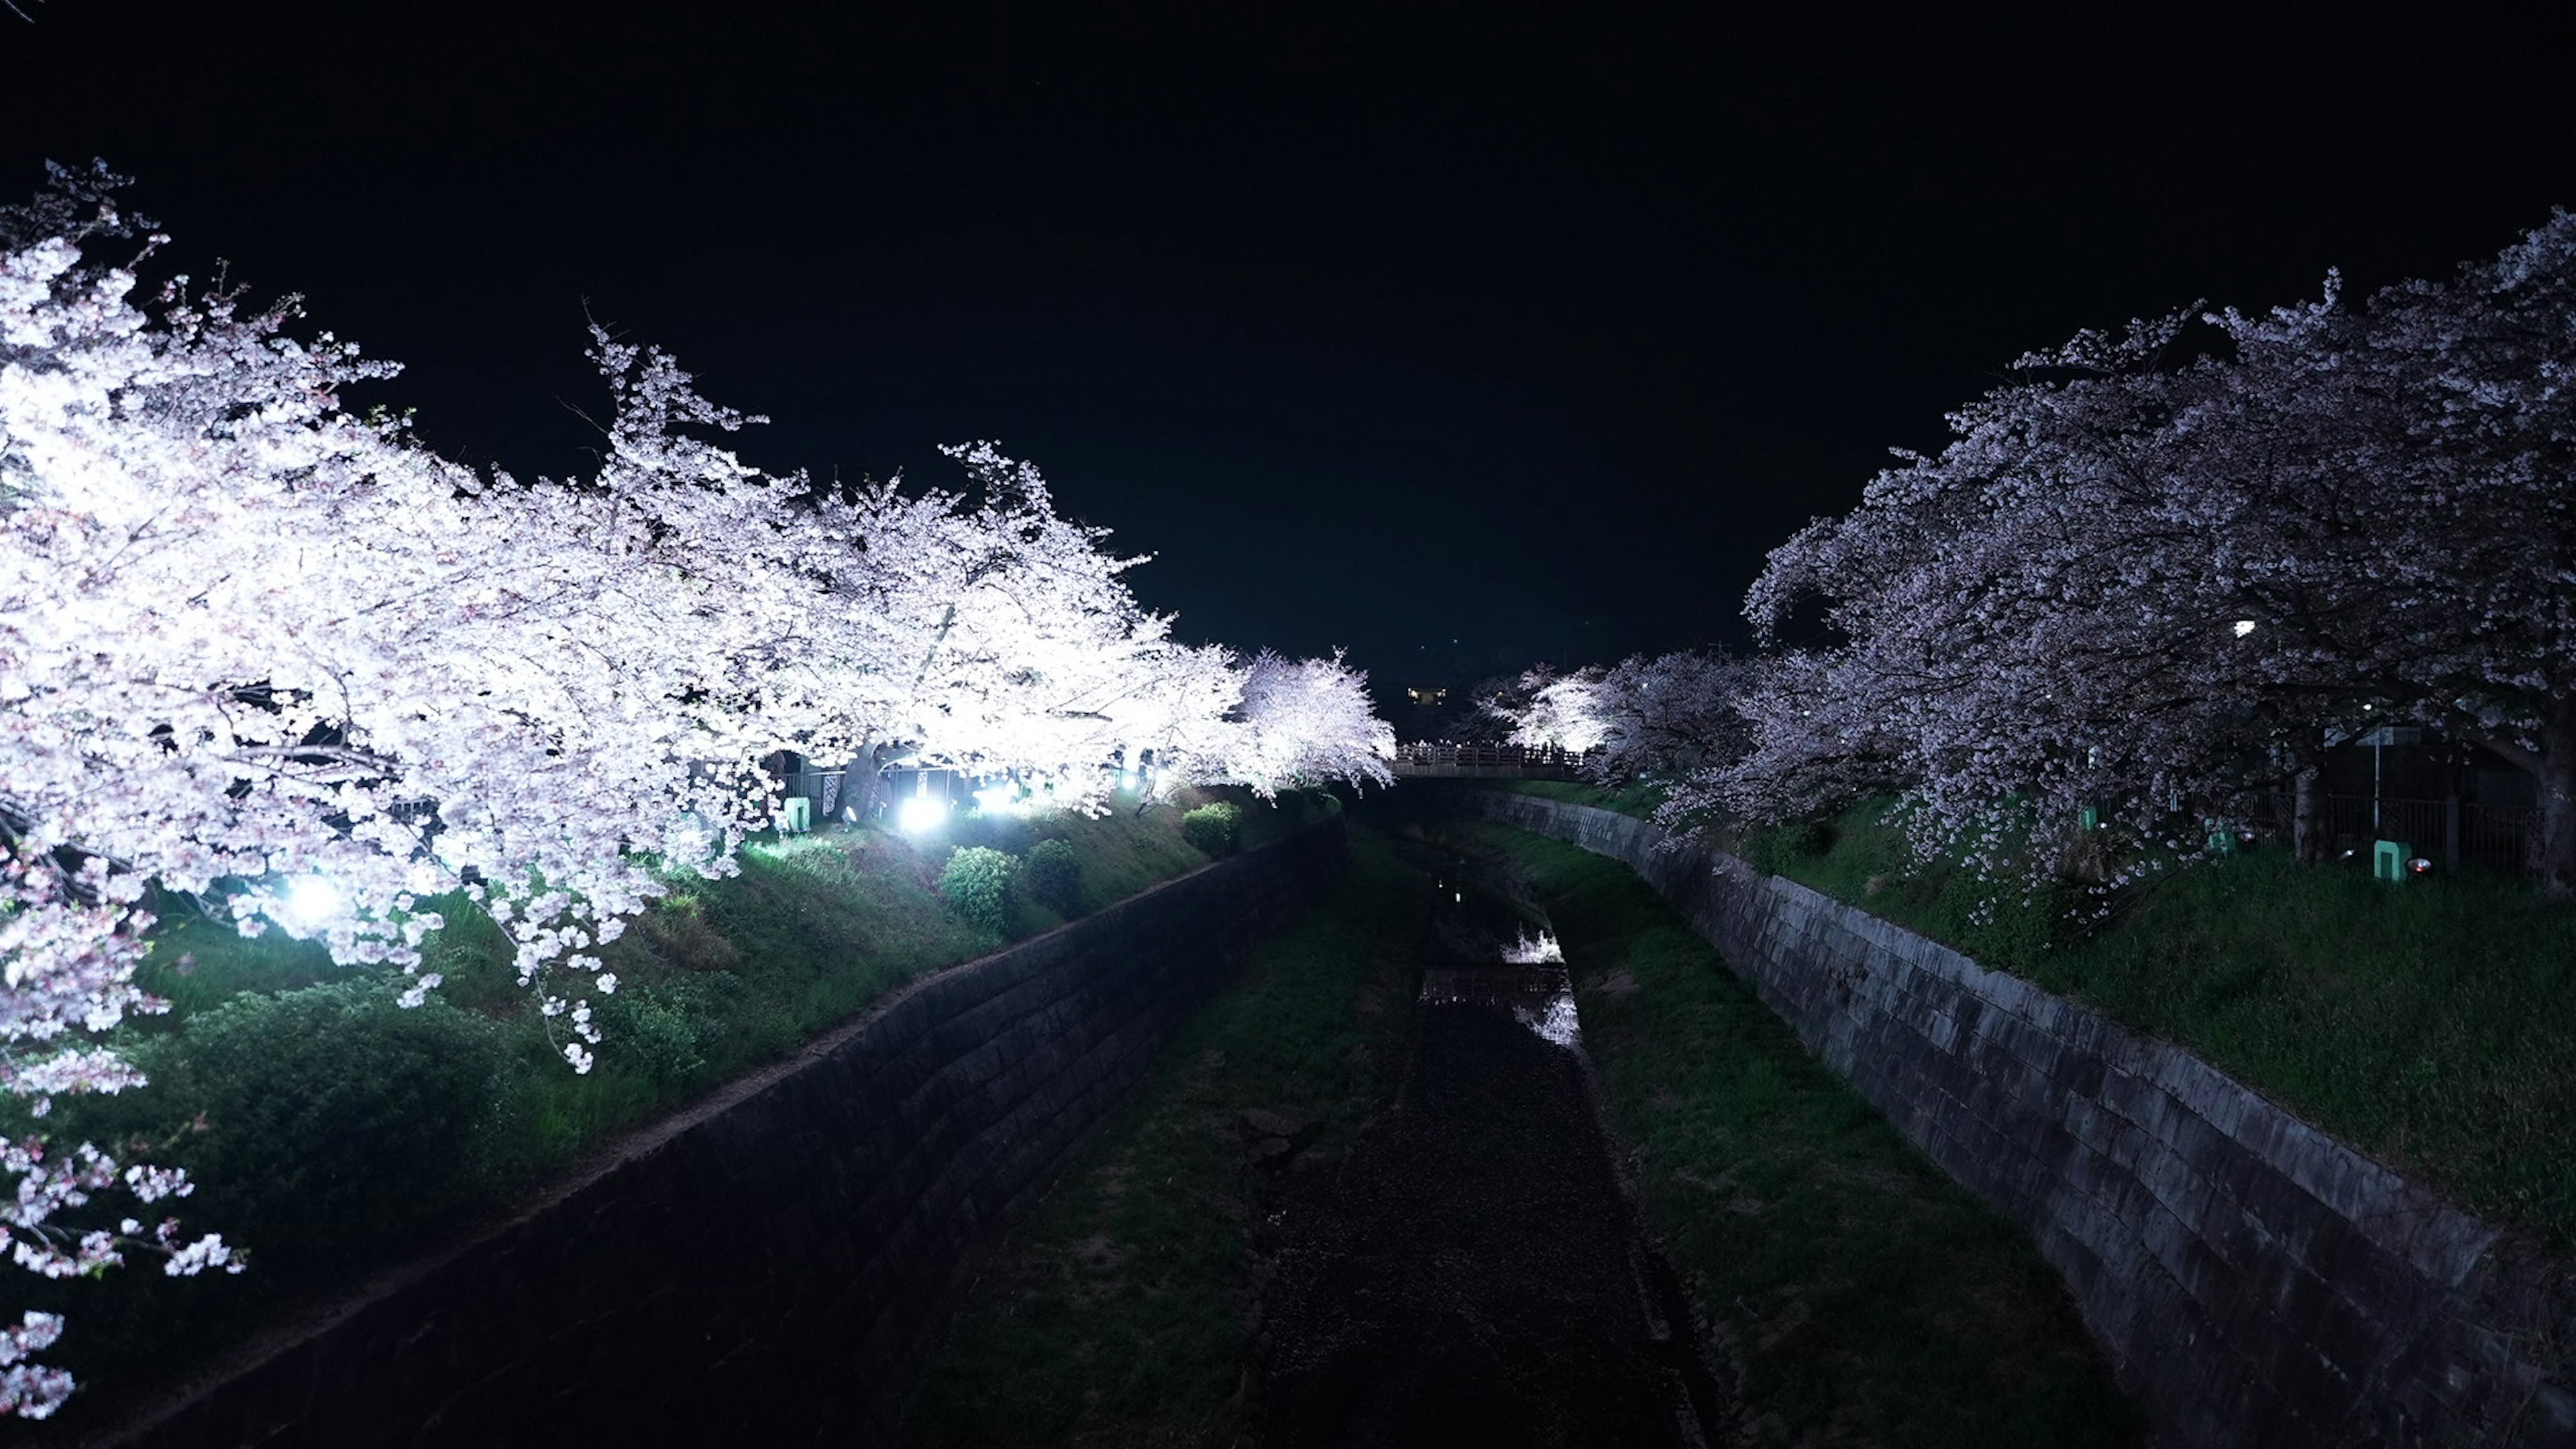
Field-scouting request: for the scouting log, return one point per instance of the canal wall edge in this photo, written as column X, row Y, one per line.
column 2255, row 1281
column 779, row 1257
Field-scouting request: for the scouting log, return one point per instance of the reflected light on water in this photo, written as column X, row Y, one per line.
column 1556, row 1022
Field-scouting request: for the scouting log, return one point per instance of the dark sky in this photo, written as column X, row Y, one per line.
column 1380, row 326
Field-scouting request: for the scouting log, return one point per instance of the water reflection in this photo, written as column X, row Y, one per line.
column 1517, row 975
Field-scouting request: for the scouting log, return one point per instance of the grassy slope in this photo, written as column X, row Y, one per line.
column 1116, row 1313
column 1860, row 1296
column 339, row 1131
column 2432, row 1023
column 1629, row 799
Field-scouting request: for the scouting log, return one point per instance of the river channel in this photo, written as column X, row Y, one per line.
column 1472, row 1272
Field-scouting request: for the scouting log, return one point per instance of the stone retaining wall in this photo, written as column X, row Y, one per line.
column 770, row 1267
column 2256, row 1282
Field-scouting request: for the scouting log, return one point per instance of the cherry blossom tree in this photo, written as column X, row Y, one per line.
column 2440, row 436
column 1665, row 715
column 271, row 656
column 1307, row 722
column 2143, row 582
column 1546, row 709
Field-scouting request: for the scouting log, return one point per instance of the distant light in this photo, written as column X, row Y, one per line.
column 2244, row 627
column 1461, row 897
column 922, row 813
column 310, row 901
column 998, row 800
column 2419, row 865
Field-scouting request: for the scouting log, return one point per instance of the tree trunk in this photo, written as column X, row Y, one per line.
column 863, row 783
column 2308, row 813
column 2557, row 774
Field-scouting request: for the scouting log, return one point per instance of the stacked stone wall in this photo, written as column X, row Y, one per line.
column 2256, row 1281
column 772, row 1266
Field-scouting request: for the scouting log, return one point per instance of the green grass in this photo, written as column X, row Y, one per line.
column 297, row 1065
column 1858, row 1296
column 2431, row 1023
column 1116, row 1313
column 1860, row 857
column 1630, row 798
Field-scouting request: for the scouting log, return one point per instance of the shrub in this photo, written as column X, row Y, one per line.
column 656, row 1031
column 1772, row 849
column 1214, row 828
column 977, row 886
column 1054, row 877
column 337, row 1120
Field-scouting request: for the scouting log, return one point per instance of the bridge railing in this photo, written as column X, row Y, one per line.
column 1544, row 762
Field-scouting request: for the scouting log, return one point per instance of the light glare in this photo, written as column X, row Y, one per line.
column 310, row 900
column 922, row 813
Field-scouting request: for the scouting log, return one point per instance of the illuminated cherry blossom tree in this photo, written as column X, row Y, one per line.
column 265, row 652
column 1307, row 722
column 1665, row 715
column 1550, row 710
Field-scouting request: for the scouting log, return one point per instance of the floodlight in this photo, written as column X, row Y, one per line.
column 309, row 900
column 922, row 813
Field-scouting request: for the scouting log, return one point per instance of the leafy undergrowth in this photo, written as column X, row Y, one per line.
column 330, row 1130
column 1115, row 1315
column 1630, row 798
column 1855, row 1293
column 2430, row 1022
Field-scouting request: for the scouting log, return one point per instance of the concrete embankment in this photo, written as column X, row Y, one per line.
column 766, row 1267
column 2255, row 1281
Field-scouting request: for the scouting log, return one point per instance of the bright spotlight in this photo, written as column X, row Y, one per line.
column 310, row 900
column 922, row 813
column 998, row 800
column 2244, row 627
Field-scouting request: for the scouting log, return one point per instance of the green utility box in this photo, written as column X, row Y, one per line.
column 795, row 815
column 2090, row 817
column 2388, row 859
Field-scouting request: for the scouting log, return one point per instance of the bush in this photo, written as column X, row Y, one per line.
column 1214, row 828
column 337, row 1121
column 977, row 886
column 1054, row 877
column 655, row 1031
column 1773, row 849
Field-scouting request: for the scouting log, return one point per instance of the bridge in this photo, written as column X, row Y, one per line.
column 1430, row 761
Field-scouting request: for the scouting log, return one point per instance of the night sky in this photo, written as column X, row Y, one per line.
column 1381, row 327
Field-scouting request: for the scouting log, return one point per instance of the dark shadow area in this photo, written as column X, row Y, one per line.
column 1470, row 1274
